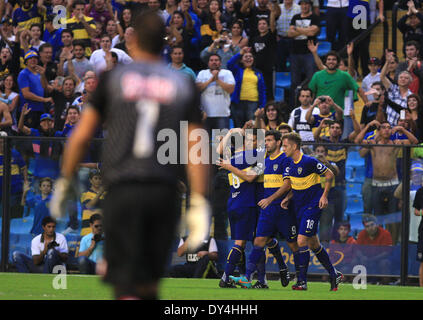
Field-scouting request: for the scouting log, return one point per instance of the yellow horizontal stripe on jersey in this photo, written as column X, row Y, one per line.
column 273, row 180
column 27, row 23
column 302, row 183
column 234, row 179
column 14, row 170
column 337, row 155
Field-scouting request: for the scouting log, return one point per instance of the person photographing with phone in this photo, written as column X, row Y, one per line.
column 319, row 122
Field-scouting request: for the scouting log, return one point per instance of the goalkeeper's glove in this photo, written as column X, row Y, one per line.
column 198, row 221
column 62, row 193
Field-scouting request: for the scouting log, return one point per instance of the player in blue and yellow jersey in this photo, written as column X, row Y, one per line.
column 272, row 217
column 308, row 199
column 244, row 167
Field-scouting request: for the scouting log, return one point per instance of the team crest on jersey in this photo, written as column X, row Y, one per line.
column 300, row 170
column 275, row 167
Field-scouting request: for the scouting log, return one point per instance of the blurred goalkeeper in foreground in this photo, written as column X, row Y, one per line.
column 140, row 103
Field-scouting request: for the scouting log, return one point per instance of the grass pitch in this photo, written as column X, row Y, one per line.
column 14, row 286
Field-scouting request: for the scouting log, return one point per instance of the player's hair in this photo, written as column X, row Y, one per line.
column 47, row 220
column 294, row 138
column 275, row 133
column 150, row 32
column 95, row 217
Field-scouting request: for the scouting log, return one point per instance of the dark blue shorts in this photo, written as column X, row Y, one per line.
column 243, row 223
column 274, row 219
column 308, row 219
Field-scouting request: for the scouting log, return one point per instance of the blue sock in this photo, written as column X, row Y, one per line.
column 323, row 257
column 275, row 250
column 241, row 265
column 303, row 262
column 233, row 258
column 253, row 260
column 296, row 263
column 261, row 269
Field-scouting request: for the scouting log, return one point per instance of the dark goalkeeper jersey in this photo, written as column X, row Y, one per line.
column 145, row 109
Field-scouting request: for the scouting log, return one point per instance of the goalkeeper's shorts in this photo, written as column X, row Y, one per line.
column 140, row 221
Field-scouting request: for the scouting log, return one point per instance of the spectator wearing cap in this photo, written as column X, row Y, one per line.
column 45, row 160
column 7, row 35
column 373, row 76
column 52, row 35
column 221, row 46
column 32, row 89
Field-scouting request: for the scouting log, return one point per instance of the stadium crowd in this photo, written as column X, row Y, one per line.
column 51, row 60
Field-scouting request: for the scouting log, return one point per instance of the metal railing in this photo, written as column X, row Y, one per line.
column 405, row 209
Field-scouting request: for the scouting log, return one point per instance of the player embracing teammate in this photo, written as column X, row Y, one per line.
column 292, row 204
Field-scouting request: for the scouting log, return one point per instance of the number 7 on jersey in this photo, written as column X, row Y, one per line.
column 147, row 112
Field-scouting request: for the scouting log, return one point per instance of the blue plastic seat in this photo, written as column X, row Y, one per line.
column 279, row 94
column 21, row 225
column 324, row 48
column 354, row 205
column 322, row 35
column 354, row 159
column 354, row 189
column 283, row 80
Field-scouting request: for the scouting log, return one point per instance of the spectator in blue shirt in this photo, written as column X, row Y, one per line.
column 46, row 153
column 91, row 246
column 31, row 89
column 38, row 203
column 52, row 35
